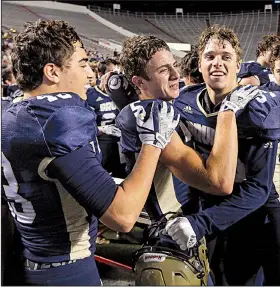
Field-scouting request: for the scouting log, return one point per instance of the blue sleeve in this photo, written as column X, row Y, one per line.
column 247, row 196
column 82, row 175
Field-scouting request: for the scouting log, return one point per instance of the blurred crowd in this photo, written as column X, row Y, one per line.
column 97, row 60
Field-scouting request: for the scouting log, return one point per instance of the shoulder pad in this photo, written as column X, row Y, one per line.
column 193, row 88
column 67, row 121
column 126, row 122
column 190, row 91
column 92, row 92
column 94, row 95
column 270, row 86
column 262, row 115
column 5, row 103
column 249, row 69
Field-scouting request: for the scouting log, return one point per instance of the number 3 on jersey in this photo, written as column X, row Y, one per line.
column 21, row 209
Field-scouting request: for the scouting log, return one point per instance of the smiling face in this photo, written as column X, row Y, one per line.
column 74, row 76
column 219, row 66
column 163, row 73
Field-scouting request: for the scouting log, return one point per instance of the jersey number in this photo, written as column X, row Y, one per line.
column 21, row 209
column 108, row 118
column 51, row 98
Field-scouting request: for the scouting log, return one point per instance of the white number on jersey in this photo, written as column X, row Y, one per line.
column 21, row 209
column 51, row 98
column 108, row 118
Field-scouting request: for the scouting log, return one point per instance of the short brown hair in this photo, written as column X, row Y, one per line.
column 267, row 43
column 189, row 66
column 222, row 33
column 137, row 51
column 275, row 55
column 39, row 43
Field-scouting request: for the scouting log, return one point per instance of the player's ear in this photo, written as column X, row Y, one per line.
column 199, row 66
column 138, row 82
column 51, row 73
column 238, row 66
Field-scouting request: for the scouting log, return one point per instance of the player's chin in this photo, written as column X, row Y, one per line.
column 216, row 85
column 173, row 93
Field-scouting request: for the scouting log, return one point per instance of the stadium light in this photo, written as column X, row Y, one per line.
column 179, row 11
column 116, row 7
column 268, row 7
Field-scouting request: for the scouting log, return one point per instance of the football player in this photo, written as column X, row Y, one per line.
column 53, row 180
column 258, row 72
column 106, row 66
column 217, row 213
column 275, row 86
column 189, row 69
column 275, row 66
column 254, row 195
column 11, row 91
column 150, row 66
column 109, row 135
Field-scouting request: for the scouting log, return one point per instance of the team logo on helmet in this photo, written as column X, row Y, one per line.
column 115, row 82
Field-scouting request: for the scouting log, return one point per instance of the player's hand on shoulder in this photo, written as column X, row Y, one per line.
column 155, row 122
column 111, row 130
column 181, row 231
column 237, row 100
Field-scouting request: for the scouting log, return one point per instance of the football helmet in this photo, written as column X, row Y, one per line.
column 120, row 90
column 161, row 262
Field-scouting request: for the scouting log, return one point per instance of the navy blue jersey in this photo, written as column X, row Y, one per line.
column 262, row 74
column 168, row 193
column 12, row 91
column 105, row 109
column 181, row 83
column 54, row 183
column 259, row 129
column 5, row 103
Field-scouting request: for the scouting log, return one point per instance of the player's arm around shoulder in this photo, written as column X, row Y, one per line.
column 252, row 80
column 155, row 126
column 216, row 174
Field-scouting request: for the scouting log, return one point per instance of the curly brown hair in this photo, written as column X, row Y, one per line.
column 267, row 43
column 39, row 43
column 189, row 66
column 222, row 33
column 275, row 55
column 137, row 51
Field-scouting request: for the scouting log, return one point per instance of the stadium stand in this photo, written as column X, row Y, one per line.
column 250, row 27
column 89, row 25
column 88, row 28
column 136, row 24
column 15, row 15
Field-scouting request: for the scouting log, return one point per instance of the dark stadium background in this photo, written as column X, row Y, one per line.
column 188, row 6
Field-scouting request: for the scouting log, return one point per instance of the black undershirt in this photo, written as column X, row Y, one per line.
column 207, row 104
